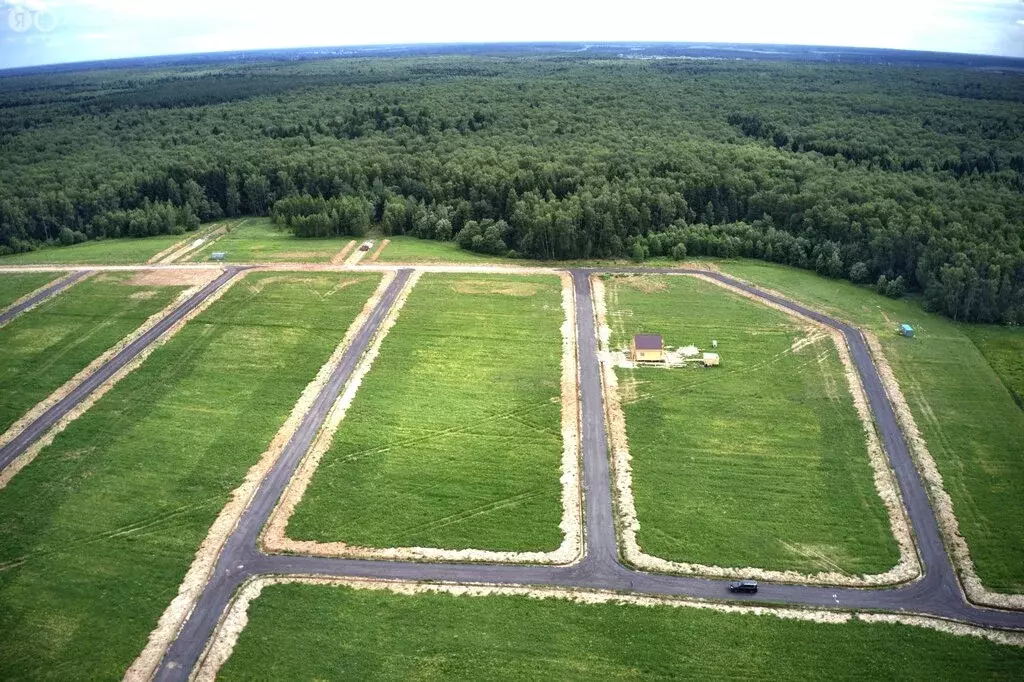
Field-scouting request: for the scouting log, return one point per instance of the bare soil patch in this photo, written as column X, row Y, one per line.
column 355, row 257
column 376, row 253
column 173, row 248
column 480, row 286
column 195, row 243
column 339, row 258
column 257, row 285
column 298, row 255
column 173, row 277
column 810, row 339
column 648, row 284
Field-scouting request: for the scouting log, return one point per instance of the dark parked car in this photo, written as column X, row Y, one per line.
column 746, row 586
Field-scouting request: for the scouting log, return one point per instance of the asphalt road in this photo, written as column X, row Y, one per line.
column 35, row 430
column 937, row 593
column 52, row 289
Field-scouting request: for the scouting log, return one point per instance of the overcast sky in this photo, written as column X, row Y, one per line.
column 54, row 31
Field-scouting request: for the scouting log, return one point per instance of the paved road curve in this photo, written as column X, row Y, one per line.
column 937, row 593
column 51, row 289
column 35, row 430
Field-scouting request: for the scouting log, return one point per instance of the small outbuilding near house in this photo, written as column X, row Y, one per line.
column 647, row 348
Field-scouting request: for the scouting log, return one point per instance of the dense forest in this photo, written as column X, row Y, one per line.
column 910, row 179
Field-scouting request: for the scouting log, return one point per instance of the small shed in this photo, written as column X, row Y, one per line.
column 711, row 359
column 218, row 255
column 647, row 348
column 907, row 331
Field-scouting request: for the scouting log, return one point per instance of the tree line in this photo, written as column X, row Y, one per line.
column 905, row 179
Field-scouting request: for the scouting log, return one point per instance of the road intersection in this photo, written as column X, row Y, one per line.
column 937, row 593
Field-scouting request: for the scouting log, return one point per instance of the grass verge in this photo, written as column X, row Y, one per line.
column 760, row 462
column 293, row 633
column 453, row 440
column 966, row 413
column 50, row 344
column 99, row 530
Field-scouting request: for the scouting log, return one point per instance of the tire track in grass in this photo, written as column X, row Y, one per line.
column 480, row 510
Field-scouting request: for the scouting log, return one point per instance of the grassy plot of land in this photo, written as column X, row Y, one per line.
column 257, row 240
column 104, row 252
column 316, row 632
column 14, row 285
column 968, row 417
column 760, row 462
column 453, row 440
column 50, row 344
column 98, row 532
column 405, row 249
column 1003, row 348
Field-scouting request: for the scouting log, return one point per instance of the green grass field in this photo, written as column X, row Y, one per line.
column 14, row 285
column 405, row 249
column 50, row 344
column 968, row 417
column 760, row 462
column 1003, row 348
column 97, row 533
column 313, row 632
column 453, row 439
column 103, row 252
column 257, row 240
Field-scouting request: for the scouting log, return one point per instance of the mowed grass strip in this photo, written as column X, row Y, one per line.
column 308, row 632
column 453, row 440
column 961, row 403
column 97, row 533
column 52, row 343
column 15, row 285
column 257, row 240
column 760, row 462
column 102, row 252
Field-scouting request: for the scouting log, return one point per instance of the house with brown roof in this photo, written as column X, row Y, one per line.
column 647, row 348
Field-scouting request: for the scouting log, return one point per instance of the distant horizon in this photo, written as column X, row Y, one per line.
column 382, row 49
column 55, row 32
